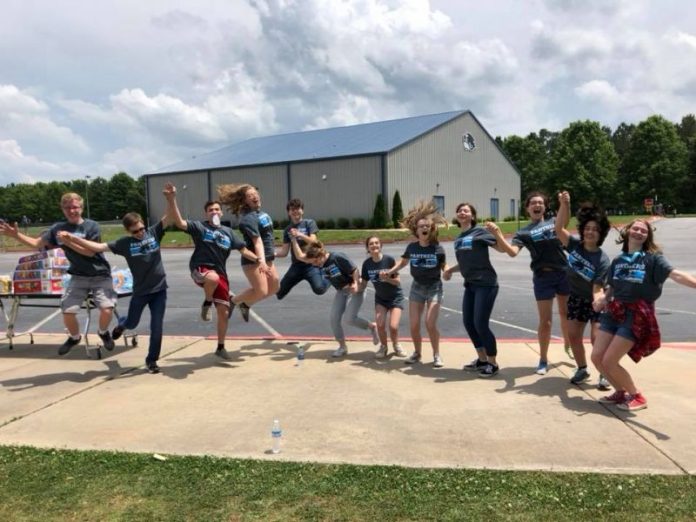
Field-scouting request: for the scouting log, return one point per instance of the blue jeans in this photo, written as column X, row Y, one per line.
column 303, row 271
column 477, row 307
column 349, row 304
column 157, row 303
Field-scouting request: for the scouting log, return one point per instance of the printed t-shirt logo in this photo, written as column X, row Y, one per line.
column 217, row 237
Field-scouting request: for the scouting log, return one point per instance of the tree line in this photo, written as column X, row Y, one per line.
column 619, row 169
column 104, row 199
column 654, row 159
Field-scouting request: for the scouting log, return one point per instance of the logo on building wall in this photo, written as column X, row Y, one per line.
column 468, row 142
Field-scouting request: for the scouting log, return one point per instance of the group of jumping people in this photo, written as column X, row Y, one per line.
column 617, row 298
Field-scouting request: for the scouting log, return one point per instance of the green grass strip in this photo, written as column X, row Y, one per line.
column 46, row 485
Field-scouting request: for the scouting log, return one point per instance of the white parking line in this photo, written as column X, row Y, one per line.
column 263, row 323
column 675, row 311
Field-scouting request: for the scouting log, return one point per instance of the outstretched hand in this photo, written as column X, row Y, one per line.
column 11, row 230
column 564, row 197
column 492, row 227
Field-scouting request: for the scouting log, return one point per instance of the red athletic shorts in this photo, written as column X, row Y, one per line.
column 222, row 291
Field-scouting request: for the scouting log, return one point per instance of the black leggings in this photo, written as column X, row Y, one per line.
column 477, row 307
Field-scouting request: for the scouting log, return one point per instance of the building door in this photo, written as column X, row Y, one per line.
column 495, row 213
column 440, row 204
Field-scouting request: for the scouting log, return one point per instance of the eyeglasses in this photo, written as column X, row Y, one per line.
column 137, row 230
column 72, row 207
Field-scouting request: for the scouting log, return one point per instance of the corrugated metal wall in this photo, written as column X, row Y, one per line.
column 438, row 164
column 191, row 194
column 349, row 190
column 271, row 181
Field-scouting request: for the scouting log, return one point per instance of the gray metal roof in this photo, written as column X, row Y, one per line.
column 355, row 140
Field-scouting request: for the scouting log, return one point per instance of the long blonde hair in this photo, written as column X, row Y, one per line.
column 234, row 196
column 424, row 210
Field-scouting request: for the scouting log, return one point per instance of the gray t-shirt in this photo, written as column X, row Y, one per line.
column 306, row 227
column 80, row 265
column 543, row 245
column 144, row 259
column 253, row 224
column 338, row 269
column 638, row 276
column 370, row 272
column 212, row 245
column 471, row 249
column 585, row 269
column 425, row 262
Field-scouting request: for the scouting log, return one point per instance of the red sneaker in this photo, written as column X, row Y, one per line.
column 633, row 402
column 618, row 397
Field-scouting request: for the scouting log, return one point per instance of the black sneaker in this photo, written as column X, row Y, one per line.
column 475, row 366
column 232, row 305
column 223, row 354
column 107, row 340
column 153, row 368
column 244, row 310
column 117, row 332
column 489, row 370
column 68, row 345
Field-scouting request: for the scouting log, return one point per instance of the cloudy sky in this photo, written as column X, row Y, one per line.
column 106, row 86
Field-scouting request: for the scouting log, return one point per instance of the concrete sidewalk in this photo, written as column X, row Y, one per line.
column 356, row 409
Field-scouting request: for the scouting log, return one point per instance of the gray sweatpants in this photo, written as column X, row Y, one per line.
column 348, row 304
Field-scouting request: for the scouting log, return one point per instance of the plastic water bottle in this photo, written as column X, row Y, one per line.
column 216, row 220
column 300, row 355
column 276, row 435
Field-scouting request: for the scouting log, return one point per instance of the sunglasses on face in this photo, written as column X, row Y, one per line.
column 137, row 230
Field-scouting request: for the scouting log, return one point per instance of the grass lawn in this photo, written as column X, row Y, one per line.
column 177, row 238
column 73, row 485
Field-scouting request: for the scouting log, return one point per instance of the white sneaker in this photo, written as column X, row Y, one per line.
column 340, row 351
column 399, row 351
column 437, row 362
column 382, row 352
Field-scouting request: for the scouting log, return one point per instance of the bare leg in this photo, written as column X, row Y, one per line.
column 431, row 325
column 545, row 309
column 415, row 310
column 576, row 329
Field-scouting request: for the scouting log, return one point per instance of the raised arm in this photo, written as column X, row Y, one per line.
column 173, row 215
column 563, row 217
column 13, row 231
column 500, row 244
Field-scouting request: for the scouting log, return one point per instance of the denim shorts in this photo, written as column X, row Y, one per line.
column 548, row 284
column 423, row 293
column 397, row 302
column 607, row 324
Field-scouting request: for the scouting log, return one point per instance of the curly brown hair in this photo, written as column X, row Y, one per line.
column 424, row 210
column 315, row 250
column 234, row 196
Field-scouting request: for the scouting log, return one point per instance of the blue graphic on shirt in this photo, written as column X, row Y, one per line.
column 265, row 220
column 217, row 237
column 423, row 260
column 144, row 247
column 581, row 266
column 464, row 243
column 373, row 275
column 631, row 269
column 543, row 233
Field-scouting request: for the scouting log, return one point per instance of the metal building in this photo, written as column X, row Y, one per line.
column 339, row 172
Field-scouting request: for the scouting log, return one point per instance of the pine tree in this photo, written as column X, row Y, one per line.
column 379, row 216
column 397, row 210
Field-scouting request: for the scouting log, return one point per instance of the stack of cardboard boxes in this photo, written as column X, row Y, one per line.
column 42, row 273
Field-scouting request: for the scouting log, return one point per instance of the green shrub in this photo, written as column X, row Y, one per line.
column 330, row 224
column 510, row 218
column 284, row 223
column 321, row 224
column 359, row 222
column 343, row 223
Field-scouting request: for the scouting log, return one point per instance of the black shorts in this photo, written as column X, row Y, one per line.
column 580, row 309
column 397, row 302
